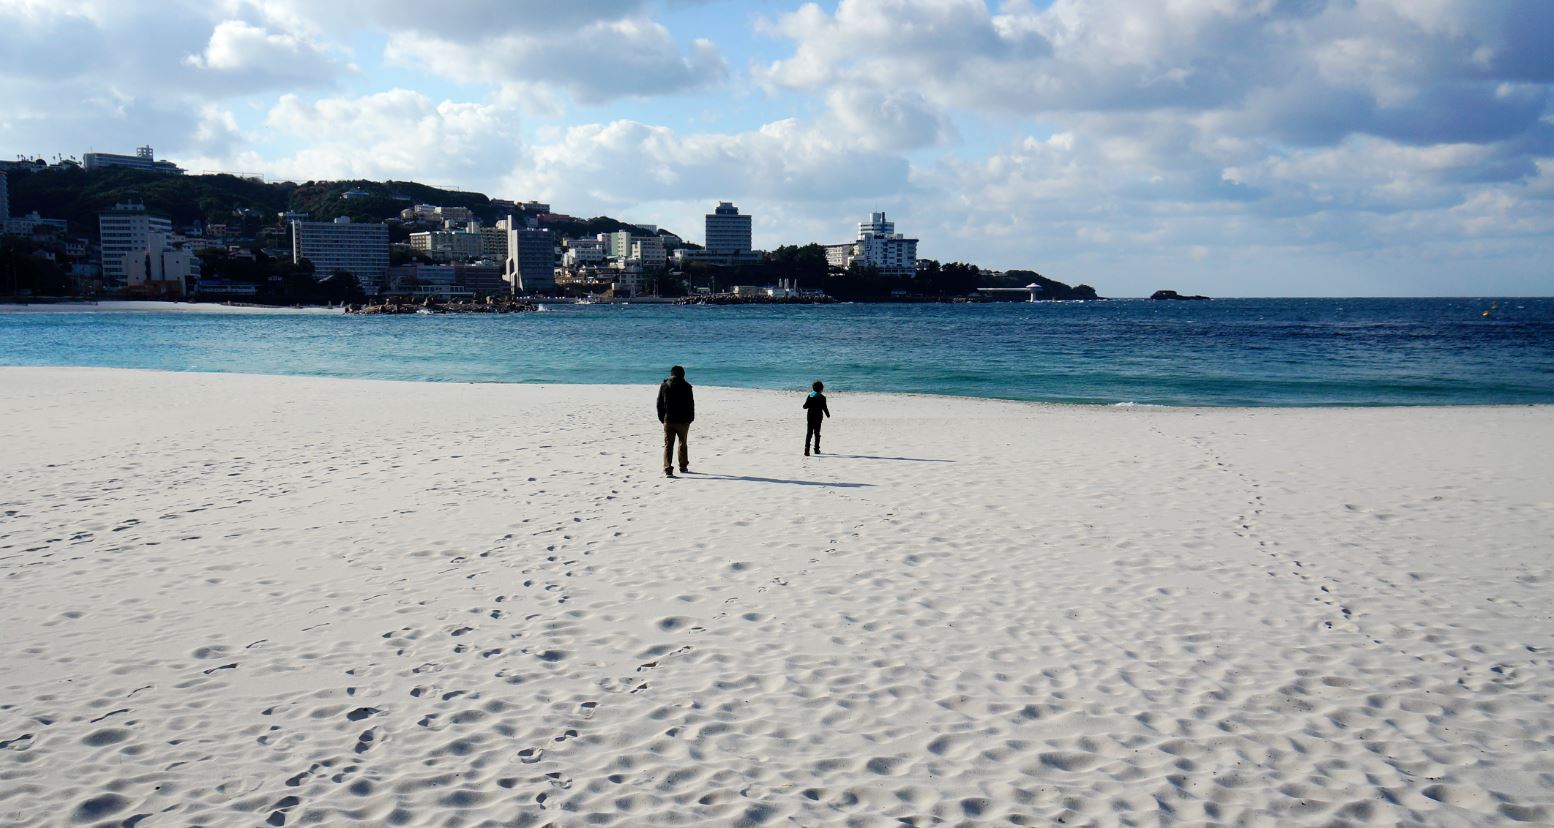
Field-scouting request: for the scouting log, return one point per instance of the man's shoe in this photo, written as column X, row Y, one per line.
column 685, row 469
column 806, row 451
column 669, row 472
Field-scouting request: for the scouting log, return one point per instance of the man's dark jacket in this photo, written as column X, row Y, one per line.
column 676, row 404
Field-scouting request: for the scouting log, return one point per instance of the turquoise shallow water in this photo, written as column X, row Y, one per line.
column 1251, row 352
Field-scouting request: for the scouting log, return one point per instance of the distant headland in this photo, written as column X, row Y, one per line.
column 133, row 227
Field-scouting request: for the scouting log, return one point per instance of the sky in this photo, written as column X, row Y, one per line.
column 1224, row 147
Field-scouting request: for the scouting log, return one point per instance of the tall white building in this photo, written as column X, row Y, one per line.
column 878, row 246
column 727, row 230
column 359, row 249
column 127, row 230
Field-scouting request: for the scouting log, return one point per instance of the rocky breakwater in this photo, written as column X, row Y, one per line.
column 488, row 305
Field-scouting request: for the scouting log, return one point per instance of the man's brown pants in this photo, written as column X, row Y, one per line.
column 671, row 431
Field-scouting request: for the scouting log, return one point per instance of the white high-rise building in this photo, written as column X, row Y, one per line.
column 878, row 246
column 361, row 250
column 727, row 230
column 126, row 230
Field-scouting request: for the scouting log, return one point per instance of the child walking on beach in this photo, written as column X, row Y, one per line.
column 815, row 409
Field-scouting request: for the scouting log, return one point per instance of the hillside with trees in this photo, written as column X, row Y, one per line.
column 79, row 195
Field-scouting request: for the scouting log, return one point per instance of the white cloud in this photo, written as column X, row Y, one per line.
column 251, row 56
column 616, row 165
column 1304, row 71
column 892, row 121
column 595, row 52
column 600, row 62
column 398, row 134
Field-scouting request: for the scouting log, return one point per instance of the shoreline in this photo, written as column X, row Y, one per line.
column 232, row 597
column 649, row 386
column 154, row 306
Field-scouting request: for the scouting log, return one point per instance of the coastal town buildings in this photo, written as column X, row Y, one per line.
column 448, row 244
column 359, row 249
column 648, row 251
column 423, row 281
column 627, row 281
column 531, row 259
column 143, row 159
column 493, row 241
column 482, row 278
column 727, row 230
column 166, row 267
column 618, row 244
column 125, row 231
column 583, row 252
column 24, row 225
column 446, row 217
column 30, row 224
column 642, row 246
column 878, row 246
column 727, row 240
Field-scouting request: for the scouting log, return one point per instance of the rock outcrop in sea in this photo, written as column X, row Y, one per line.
column 489, row 305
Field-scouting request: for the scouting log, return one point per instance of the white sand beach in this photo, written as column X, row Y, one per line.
column 243, row 600
column 149, row 306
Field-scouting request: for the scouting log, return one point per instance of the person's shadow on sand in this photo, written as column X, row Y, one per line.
column 750, row 479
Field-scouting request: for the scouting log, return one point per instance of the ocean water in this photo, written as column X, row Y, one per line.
column 1233, row 352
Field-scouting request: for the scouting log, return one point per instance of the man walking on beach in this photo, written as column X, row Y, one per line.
column 676, row 410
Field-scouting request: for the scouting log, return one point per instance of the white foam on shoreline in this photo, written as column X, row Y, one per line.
column 228, row 598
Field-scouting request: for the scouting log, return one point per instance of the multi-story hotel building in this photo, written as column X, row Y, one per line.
column 359, row 249
column 878, row 246
column 124, row 230
column 727, row 230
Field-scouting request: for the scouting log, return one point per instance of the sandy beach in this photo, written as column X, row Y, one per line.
column 247, row 600
column 146, row 306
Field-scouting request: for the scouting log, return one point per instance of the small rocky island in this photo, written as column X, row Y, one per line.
column 1171, row 294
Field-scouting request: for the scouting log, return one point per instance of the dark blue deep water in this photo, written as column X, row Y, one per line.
column 1255, row 352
